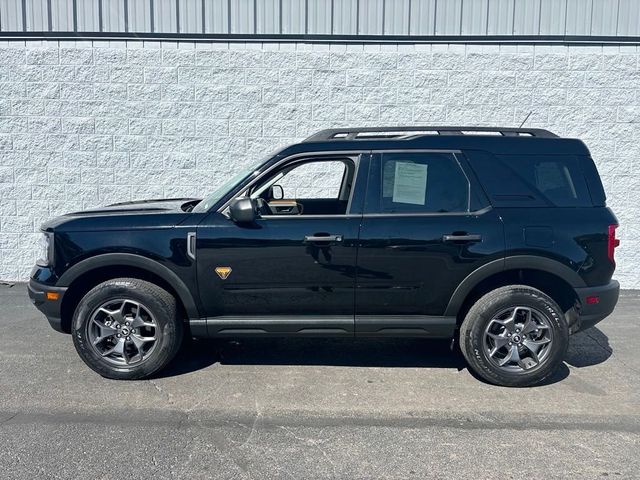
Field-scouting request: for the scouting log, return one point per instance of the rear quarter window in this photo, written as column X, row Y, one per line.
column 532, row 180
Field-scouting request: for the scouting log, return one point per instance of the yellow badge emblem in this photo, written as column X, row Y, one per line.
column 223, row 272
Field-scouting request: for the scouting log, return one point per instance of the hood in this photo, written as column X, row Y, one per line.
column 159, row 213
column 143, row 206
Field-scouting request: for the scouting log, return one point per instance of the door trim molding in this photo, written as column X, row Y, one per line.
column 325, row 326
column 280, row 325
column 474, row 213
column 405, row 326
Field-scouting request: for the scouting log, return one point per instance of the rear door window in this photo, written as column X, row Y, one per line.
column 422, row 182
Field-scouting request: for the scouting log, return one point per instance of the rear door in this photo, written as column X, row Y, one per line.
column 426, row 226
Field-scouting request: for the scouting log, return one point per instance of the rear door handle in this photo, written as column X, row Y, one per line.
column 462, row 238
column 322, row 238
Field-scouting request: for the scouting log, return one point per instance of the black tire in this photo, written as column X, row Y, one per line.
column 158, row 302
column 477, row 321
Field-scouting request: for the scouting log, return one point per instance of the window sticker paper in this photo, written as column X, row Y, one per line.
column 410, row 183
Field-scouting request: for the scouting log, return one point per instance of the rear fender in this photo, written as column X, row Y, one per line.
column 510, row 263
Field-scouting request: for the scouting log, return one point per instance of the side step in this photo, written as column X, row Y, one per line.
column 324, row 326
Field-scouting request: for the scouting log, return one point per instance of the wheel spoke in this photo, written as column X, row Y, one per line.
column 535, row 345
column 106, row 331
column 512, row 356
column 117, row 348
column 125, row 355
column 499, row 341
column 116, row 315
column 507, row 323
column 101, row 338
column 103, row 326
column 529, row 325
column 139, row 341
column 138, row 322
column 533, row 355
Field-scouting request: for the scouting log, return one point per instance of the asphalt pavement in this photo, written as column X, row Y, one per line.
column 294, row 408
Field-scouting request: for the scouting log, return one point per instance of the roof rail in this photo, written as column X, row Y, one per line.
column 413, row 131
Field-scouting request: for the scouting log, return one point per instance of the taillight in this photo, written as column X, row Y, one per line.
column 612, row 242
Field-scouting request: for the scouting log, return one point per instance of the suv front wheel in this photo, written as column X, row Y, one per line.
column 514, row 336
column 127, row 328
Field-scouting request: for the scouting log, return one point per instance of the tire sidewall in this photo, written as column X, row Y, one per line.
column 486, row 309
column 130, row 290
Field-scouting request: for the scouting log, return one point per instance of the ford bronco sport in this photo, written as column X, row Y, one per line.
column 499, row 238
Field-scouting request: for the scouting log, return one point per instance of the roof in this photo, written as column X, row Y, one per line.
column 497, row 140
column 413, row 131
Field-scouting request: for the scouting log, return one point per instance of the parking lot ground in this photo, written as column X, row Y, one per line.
column 293, row 408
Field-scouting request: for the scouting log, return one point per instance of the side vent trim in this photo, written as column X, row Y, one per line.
column 191, row 245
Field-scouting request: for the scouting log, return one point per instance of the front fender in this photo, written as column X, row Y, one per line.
column 133, row 260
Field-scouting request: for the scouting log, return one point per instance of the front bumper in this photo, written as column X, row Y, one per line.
column 590, row 314
column 52, row 309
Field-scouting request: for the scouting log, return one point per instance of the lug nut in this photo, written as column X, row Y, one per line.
column 126, row 323
column 118, row 335
column 117, row 326
column 128, row 338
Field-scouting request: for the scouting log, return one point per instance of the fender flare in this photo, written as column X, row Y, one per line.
column 515, row 262
column 138, row 261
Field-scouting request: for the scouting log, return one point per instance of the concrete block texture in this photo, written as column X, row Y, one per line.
column 101, row 122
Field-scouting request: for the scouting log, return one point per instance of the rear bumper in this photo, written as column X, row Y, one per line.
column 590, row 314
column 51, row 308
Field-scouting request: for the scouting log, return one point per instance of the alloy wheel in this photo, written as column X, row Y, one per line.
column 518, row 339
column 124, row 332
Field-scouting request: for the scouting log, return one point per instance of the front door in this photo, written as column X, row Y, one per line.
column 425, row 228
column 291, row 271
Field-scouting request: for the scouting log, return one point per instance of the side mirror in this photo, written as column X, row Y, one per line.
column 277, row 192
column 242, row 210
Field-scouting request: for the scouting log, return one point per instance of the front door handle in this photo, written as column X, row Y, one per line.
column 322, row 238
column 462, row 238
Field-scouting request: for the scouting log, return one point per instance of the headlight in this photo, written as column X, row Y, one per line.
column 45, row 249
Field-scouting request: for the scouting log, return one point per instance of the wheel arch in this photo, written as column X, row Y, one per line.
column 88, row 273
column 550, row 276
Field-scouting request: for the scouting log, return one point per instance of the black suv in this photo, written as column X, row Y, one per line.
column 499, row 238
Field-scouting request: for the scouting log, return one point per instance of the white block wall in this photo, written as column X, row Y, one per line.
column 91, row 123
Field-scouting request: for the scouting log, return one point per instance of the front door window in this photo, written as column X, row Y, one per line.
column 307, row 187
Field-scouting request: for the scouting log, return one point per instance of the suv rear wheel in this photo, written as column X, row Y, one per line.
column 127, row 328
column 514, row 336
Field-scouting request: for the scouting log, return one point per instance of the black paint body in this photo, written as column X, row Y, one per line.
column 389, row 275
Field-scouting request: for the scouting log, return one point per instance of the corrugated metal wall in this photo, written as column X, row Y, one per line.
column 337, row 17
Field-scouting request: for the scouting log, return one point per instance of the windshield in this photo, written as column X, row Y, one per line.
column 219, row 192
